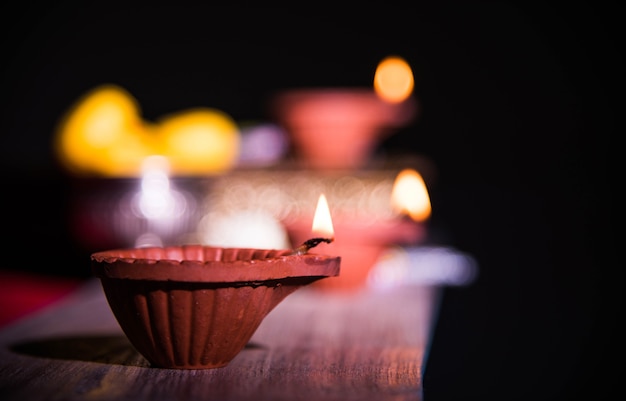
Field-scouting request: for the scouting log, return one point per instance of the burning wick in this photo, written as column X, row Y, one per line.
column 322, row 225
column 311, row 243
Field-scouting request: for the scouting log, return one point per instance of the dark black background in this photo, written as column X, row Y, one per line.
column 518, row 113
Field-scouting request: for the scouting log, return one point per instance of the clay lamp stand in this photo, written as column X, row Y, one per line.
column 195, row 306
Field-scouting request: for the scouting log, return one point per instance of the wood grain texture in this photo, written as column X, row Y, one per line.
column 314, row 346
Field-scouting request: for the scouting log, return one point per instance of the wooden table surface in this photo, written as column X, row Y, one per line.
column 368, row 345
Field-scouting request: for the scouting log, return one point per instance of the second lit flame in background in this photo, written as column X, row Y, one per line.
column 410, row 195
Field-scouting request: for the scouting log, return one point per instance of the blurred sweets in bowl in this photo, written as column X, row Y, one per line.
column 104, row 135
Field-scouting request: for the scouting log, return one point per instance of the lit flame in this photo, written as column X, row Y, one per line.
column 393, row 80
column 322, row 222
column 409, row 195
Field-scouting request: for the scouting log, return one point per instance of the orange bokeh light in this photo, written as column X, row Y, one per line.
column 393, row 80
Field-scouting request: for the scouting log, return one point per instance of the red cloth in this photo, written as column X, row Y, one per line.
column 23, row 293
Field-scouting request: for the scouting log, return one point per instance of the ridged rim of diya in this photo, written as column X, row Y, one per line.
column 207, row 264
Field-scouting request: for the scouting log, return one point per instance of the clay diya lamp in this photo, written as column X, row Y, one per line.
column 361, row 242
column 361, row 245
column 196, row 306
column 338, row 128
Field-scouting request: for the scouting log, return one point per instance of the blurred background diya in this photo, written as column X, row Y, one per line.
column 198, row 176
column 339, row 128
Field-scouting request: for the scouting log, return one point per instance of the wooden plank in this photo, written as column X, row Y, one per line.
column 314, row 345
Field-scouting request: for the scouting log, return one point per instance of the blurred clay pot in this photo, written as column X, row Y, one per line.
column 338, row 128
column 360, row 245
column 194, row 306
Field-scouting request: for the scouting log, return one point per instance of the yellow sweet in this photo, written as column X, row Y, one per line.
column 202, row 140
column 104, row 134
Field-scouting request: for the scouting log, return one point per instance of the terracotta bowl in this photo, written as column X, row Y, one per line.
column 194, row 306
column 338, row 128
column 360, row 244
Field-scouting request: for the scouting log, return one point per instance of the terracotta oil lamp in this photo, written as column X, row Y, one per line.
column 361, row 242
column 196, row 306
column 339, row 128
